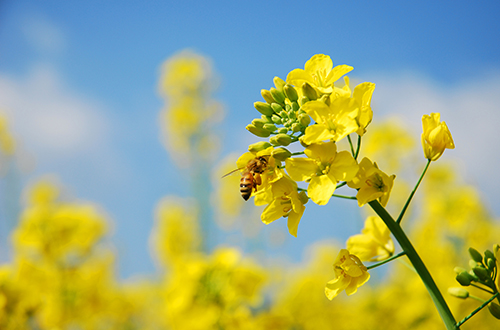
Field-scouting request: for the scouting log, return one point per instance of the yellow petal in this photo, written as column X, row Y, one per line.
column 338, row 72
column 320, row 189
column 300, row 169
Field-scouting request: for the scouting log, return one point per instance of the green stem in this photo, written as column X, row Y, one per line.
column 350, row 143
column 413, row 193
column 345, row 197
column 421, row 269
column 477, row 310
column 358, row 147
column 481, row 288
column 387, row 260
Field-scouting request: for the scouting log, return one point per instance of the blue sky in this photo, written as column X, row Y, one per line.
column 79, row 83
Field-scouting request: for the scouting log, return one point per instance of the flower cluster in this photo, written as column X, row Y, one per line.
column 316, row 110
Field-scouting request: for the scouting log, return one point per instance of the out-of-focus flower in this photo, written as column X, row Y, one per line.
column 435, row 137
column 371, row 183
column 7, row 142
column 286, row 202
column 323, row 169
column 319, row 73
column 56, row 230
column 176, row 231
column 350, row 275
column 374, row 243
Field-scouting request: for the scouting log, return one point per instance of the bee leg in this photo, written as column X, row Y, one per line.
column 258, row 179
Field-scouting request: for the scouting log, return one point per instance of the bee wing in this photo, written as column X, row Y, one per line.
column 238, row 169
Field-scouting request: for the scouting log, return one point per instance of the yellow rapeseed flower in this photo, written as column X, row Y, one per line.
column 323, row 169
column 374, row 243
column 371, row 183
column 350, row 275
column 435, row 137
column 319, row 73
column 286, row 202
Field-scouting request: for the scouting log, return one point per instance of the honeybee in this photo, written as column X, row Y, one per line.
column 251, row 175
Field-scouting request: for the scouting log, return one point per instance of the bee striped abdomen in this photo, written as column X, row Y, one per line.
column 247, row 184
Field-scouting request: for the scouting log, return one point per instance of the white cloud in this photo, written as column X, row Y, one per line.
column 470, row 109
column 48, row 115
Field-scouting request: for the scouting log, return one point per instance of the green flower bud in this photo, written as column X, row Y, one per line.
column 283, row 139
column 276, row 119
column 267, row 96
column 463, row 278
column 309, row 91
column 263, row 108
column 292, row 115
column 258, row 146
column 270, row 127
column 296, row 127
column 489, row 255
column 266, row 119
column 276, row 107
column 288, row 107
column 257, row 122
column 459, row 270
column 494, row 309
column 472, row 263
column 283, row 130
column 303, row 100
column 459, row 293
column 475, row 255
column 295, row 106
column 491, row 264
column 260, row 132
column 283, row 115
column 279, row 83
column 303, row 197
column 481, row 273
column 278, row 96
column 304, row 120
column 274, row 140
column 290, row 92
column 281, row 154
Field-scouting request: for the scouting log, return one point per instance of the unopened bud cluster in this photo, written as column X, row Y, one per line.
column 483, row 271
column 281, row 115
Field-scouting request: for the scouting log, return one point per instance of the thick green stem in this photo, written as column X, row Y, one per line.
column 418, row 264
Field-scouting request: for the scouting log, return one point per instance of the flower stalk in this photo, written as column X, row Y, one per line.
column 418, row 264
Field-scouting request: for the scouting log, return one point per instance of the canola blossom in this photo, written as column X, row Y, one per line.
column 374, row 243
column 350, row 275
column 435, row 137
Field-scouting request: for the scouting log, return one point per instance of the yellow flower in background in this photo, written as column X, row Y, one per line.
column 286, row 202
column 176, row 232
column 374, row 243
column 7, row 142
column 350, row 275
column 371, row 183
column 319, row 73
column 435, row 137
column 57, row 230
column 323, row 169
column 186, row 72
